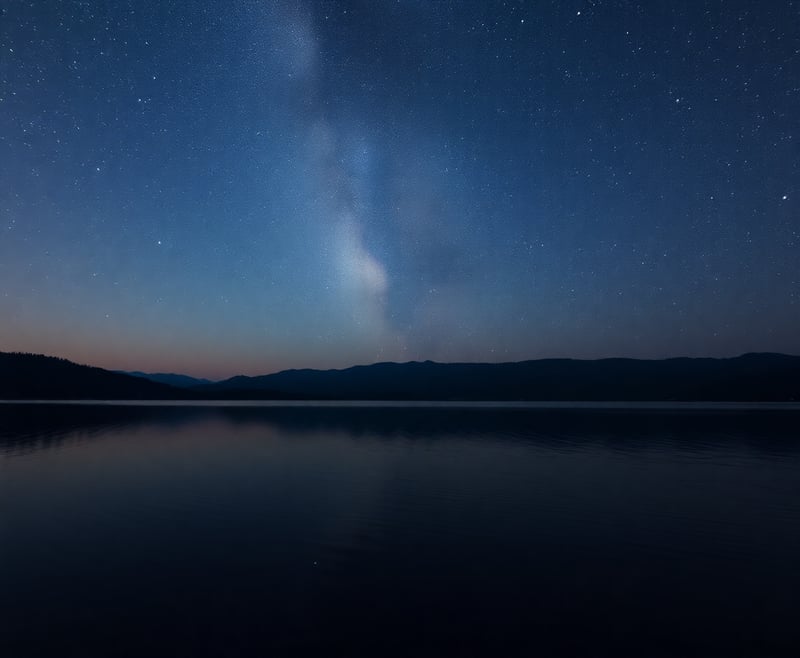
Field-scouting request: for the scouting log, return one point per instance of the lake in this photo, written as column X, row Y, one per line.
column 419, row 531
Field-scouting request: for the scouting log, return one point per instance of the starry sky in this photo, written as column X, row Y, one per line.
column 241, row 187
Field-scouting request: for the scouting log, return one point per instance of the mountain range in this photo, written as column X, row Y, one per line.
column 750, row 377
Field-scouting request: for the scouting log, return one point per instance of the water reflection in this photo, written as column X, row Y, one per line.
column 189, row 531
column 25, row 427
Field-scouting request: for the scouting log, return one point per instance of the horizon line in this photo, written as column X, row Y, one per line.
column 412, row 361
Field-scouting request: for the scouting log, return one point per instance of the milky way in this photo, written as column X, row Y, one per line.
column 222, row 188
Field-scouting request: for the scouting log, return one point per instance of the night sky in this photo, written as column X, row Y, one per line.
column 219, row 188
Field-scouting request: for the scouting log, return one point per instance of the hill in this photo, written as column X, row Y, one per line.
column 37, row 377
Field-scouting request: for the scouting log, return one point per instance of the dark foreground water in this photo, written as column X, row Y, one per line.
column 420, row 532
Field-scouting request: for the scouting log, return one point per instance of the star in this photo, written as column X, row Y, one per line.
column 424, row 187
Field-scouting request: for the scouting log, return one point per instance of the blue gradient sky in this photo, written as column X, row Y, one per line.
column 215, row 191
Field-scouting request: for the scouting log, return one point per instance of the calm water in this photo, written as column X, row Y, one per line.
column 420, row 532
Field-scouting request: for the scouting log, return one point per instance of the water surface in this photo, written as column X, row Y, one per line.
column 398, row 531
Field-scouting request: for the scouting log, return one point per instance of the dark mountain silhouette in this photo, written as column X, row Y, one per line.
column 172, row 379
column 37, row 377
column 751, row 377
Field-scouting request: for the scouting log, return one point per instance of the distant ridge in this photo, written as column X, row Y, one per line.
column 171, row 379
column 755, row 377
